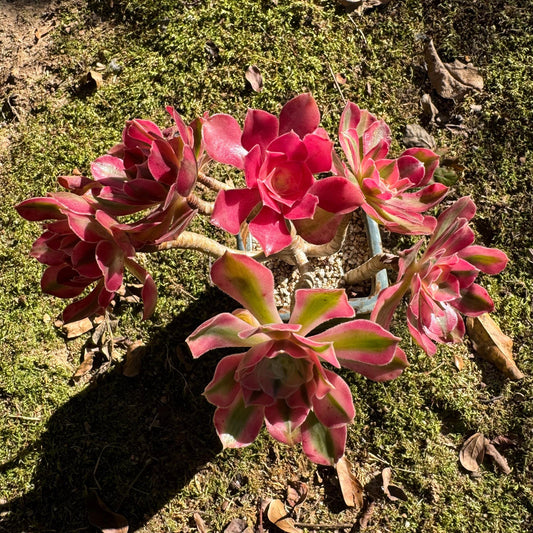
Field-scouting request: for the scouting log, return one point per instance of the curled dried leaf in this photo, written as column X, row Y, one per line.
column 351, row 488
column 497, row 457
column 451, row 80
column 393, row 492
column 417, row 136
column 102, row 517
column 492, row 344
column 134, row 356
column 472, row 453
column 296, row 493
column 254, row 78
column 75, row 329
column 277, row 515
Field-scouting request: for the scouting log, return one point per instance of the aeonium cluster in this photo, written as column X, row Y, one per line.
column 296, row 200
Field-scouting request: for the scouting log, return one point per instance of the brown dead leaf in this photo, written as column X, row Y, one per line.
column 296, row 493
column 472, row 453
column 492, row 344
column 497, row 457
column 75, row 329
column 200, row 524
column 277, row 515
column 254, row 78
column 458, row 361
column 85, row 366
column 416, row 136
column 393, row 492
column 367, row 516
column 451, row 80
column 340, row 78
column 134, row 356
column 351, row 488
column 103, row 518
column 238, row 525
column 93, row 80
column 428, row 107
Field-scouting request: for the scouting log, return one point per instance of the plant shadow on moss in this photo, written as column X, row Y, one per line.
column 136, row 441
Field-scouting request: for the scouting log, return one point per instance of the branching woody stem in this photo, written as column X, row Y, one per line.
column 370, row 268
column 203, row 207
column 189, row 240
column 212, row 183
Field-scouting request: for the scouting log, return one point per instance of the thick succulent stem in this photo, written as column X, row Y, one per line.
column 189, row 240
column 370, row 268
column 331, row 247
column 203, row 207
column 212, row 183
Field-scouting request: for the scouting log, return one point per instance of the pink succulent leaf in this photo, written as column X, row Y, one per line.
column 187, row 173
column 274, row 331
column 323, row 445
column 85, row 307
column 37, row 209
column 252, row 166
column 488, row 260
column 321, row 228
column 464, row 208
column 429, row 159
column 411, row 168
column 260, row 128
column 321, row 351
column 181, row 219
column 186, row 132
column 59, row 280
column 270, row 230
column 319, row 149
column 44, row 253
column 286, row 147
column 232, row 207
column 288, row 182
column 222, row 138
column 301, row 115
column 221, row 331
column 336, row 407
column 140, row 131
column 223, row 389
column 86, row 228
column 425, row 198
column 238, row 425
column 302, row 209
column 381, row 372
column 149, row 290
column 111, row 263
column 396, row 218
column 149, row 190
column 283, row 422
column 108, row 166
column 163, row 162
column 388, row 300
column 83, row 260
column 349, row 142
column 337, row 195
column 474, row 301
column 314, row 307
column 248, row 282
column 450, row 243
column 376, row 140
column 360, row 340
column 354, row 118
column 78, row 184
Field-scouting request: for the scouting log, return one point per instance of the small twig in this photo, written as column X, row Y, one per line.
column 337, row 84
column 323, row 527
column 21, row 417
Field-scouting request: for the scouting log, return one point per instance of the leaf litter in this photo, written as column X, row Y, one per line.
column 474, row 450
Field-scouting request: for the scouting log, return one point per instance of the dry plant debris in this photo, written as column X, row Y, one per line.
column 493, row 345
column 254, row 78
column 278, row 516
column 393, row 492
column 101, row 517
column 474, row 450
column 417, row 136
column 451, row 80
column 351, row 488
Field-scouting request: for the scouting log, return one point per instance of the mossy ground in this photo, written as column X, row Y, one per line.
column 147, row 443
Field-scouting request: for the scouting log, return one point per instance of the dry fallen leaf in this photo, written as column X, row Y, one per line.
column 367, row 516
column 237, row 525
column 451, row 80
column 351, row 488
column 497, row 457
column 85, row 366
column 200, row 524
column 103, row 518
column 278, row 516
column 472, row 452
column 393, row 492
column 75, row 329
column 417, row 137
column 428, row 107
column 134, row 356
column 458, row 361
column 492, row 344
column 296, row 493
column 254, row 78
